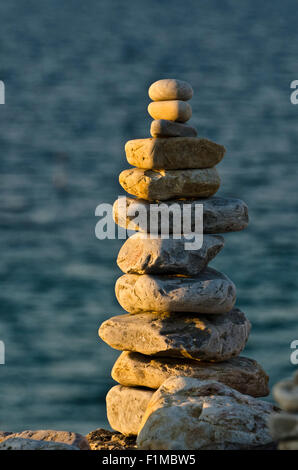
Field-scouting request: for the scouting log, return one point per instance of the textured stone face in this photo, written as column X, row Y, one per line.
column 209, row 292
column 206, row 338
column 291, row 444
column 221, row 215
column 174, row 110
column 101, row 439
column 286, row 394
column 170, row 89
column 143, row 255
column 284, row 426
column 18, row 443
column 189, row 414
column 48, row 435
column 164, row 128
column 242, row 374
column 173, row 154
column 166, row 184
column 126, row 407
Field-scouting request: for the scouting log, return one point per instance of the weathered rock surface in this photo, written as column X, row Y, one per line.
column 283, row 426
column 173, row 154
column 204, row 337
column 66, row 437
column 101, row 439
column 209, row 292
column 221, row 214
column 126, row 407
column 189, row 414
column 170, row 89
column 18, row 443
column 164, row 128
column 167, row 184
column 141, row 254
column 174, row 110
column 286, row 394
column 243, row 374
column 291, row 444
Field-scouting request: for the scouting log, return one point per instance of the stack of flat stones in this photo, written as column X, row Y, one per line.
column 181, row 319
column 284, row 425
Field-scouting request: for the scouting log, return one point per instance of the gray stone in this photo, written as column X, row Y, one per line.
column 221, row 214
column 167, row 184
column 19, row 443
column 173, row 154
column 283, row 426
column 126, row 407
column 243, row 374
column 164, row 128
column 190, row 414
column 170, row 89
column 203, row 337
column 174, row 110
column 209, row 292
column 141, row 254
column 66, row 437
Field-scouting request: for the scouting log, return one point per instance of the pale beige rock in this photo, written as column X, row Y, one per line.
column 173, row 154
column 242, row 374
column 190, row 414
column 167, row 184
column 142, row 254
column 291, row 444
column 203, row 337
column 164, row 128
column 220, row 214
column 66, row 437
column 126, row 407
column 170, row 89
column 209, row 292
column 286, row 394
column 283, row 426
column 174, row 110
column 18, row 443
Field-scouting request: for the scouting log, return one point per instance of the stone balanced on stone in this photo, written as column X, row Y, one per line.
column 182, row 334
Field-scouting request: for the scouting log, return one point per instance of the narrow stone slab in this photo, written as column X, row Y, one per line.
column 221, row 214
column 170, row 89
column 209, row 292
column 242, row 374
column 167, row 184
column 166, row 128
column 205, row 338
column 174, row 110
column 18, row 443
column 48, row 435
column 126, row 407
column 141, row 254
column 284, row 426
column 173, row 154
column 190, row 414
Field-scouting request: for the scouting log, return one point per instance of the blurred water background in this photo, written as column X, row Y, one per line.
column 76, row 76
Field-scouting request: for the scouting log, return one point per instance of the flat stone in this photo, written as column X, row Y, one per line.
column 18, row 443
column 286, row 394
column 66, row 437
column 141, row 254
column 164, row 128
column 209, row 292
column 167, row 184
column 173, row 154
column 126, row 407
column 291, row 444
column 170, row 89
column 221, row 214
column 190, row 414
column 283, row 426
column 174, row 110
column 243, row 374
column 204, row 337
column 102, row 439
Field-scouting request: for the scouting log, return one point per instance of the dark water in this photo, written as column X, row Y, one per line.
column 76, row 76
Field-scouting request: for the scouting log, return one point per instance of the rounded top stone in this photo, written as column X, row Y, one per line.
column 170, row 89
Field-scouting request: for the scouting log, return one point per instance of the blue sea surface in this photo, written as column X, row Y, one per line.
column 76, row 76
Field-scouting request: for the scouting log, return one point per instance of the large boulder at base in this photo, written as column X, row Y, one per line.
column 126, row 407
column 243, row 374
column 19, row 443
column 220, row 215
column 173, row 153
column 203, row 337
column 209, row 292
column 66, row 437
column 142, row 254
column 190, row 414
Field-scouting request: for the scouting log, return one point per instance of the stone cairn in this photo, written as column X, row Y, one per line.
column 182, row 334
column 284, row 426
